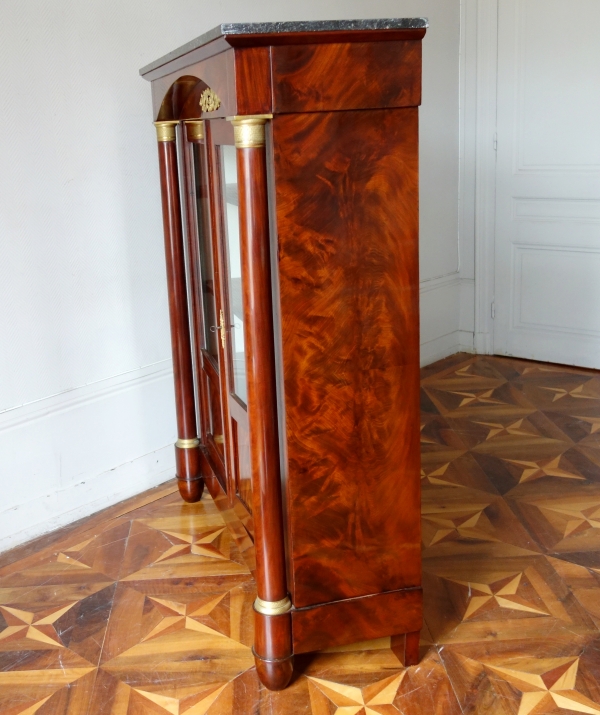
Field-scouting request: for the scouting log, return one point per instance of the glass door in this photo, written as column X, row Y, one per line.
column 233, row 314
column 206, row 305
column 234, row 272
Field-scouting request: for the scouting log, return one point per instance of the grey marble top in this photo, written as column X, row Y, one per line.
column 251, row 28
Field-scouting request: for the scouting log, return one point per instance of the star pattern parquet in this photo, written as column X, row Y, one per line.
column 146, row 608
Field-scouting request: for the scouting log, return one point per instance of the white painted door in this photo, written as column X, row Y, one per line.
column 547, row 244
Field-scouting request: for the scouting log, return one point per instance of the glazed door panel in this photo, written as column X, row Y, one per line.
column 206, row 303
column 232, row 326
column 233, row 280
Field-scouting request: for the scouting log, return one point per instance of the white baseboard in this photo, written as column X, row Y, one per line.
column 467, row 306
column 446, row 317
column 440, row 307
column 69, row 455
column 466, row 341
column 440, row 317
column 439, row 348
column 59, row 508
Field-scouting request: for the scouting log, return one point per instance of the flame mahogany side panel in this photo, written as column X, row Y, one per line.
column 346, row 188
column 368, row 75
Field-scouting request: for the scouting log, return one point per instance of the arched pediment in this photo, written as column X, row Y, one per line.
column 182, row 99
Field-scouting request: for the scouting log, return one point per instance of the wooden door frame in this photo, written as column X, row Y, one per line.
column 195, row 295
column 478, row 142
column 232, row 406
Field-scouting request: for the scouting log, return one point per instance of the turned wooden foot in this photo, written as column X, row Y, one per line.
column 274, row 674
column 189, row 473
column 273, row 650
column 191, row 490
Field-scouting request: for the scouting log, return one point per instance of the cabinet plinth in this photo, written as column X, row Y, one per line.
column 295, row 318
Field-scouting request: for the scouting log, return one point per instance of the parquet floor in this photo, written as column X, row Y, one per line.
column 146, row 608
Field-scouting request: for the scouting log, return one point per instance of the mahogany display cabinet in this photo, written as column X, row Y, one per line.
column 288, row 158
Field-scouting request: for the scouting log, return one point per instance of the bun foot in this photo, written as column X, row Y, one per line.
column 191, row 489
column 272, row 650
column 275, row 674
column 188, row 470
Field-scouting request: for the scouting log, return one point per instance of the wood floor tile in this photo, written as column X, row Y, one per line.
column 583, row 583
column 563, row 518
column 458, row 469
column 531, row 677
column 44, row 681
column 465, row 521
column 475, row 600
column 146, row 607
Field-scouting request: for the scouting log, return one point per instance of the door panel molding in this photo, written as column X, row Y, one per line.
column 556, row 209
column 575, row 269
column 538, row 115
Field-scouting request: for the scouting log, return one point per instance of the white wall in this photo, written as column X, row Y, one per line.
column 86, row 400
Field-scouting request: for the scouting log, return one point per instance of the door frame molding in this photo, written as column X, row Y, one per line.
column 479, row 47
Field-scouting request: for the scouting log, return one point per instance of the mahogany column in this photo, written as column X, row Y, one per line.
column 187, row 447
column 273, row 636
